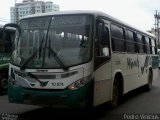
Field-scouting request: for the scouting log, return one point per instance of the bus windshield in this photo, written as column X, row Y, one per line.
column 53, row 41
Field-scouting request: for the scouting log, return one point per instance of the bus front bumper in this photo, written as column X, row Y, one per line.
column 82, row 97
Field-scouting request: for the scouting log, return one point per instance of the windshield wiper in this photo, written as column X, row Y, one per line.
column 53, row 53
column 14, row 25
column 32, row 56
column 42, row 83
column 44, row 52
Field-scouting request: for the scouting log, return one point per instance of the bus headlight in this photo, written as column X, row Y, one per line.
column 79, row 83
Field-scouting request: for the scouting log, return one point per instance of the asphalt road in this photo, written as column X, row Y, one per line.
column 136, row 105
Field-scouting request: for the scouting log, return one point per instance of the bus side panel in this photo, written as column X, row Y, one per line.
column 102, row 84
column 131, row 77
column 144, row 62
column 119, row 64
column 155, row 66
column 155, row 74
column 127, row 64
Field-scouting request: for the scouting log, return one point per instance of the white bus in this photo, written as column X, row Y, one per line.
column 79, row 59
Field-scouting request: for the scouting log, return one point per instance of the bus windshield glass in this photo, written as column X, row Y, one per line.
column 53, row 41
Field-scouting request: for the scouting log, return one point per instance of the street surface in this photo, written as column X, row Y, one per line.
column 137, row 104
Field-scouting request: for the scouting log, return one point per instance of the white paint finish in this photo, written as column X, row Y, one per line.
column 102, row 92
column 103, row 84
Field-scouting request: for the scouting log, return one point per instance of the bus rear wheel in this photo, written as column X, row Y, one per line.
column 3, row 83
column 149, row 85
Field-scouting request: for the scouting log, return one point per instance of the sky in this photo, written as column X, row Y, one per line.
column 138, row 13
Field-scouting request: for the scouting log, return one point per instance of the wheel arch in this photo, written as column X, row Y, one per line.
column 119, row 77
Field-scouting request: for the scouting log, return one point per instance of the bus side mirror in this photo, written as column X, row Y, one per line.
column 12, row 25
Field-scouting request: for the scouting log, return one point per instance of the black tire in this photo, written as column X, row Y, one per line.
column 150, row 79
column 3, row 83
column 116, row 94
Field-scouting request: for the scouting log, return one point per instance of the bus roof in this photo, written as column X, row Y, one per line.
column 92, row 12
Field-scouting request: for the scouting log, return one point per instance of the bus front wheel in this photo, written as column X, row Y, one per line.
column 115, row 94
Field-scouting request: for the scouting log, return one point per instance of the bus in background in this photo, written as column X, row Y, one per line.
column 6, row 39
column 79, row 59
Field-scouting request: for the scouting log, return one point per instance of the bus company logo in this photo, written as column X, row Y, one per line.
column 132, row 63
column 146, row 63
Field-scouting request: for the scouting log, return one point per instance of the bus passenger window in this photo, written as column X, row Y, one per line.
column 117, row 36
column 140, row 43
column 105, row 42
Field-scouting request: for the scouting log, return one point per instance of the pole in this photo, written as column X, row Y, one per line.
column 157, row 17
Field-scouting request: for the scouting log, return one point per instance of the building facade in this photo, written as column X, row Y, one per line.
column 28, row 7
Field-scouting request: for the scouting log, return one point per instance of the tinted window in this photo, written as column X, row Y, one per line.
column 147, row 44
column 129, row 35
column 117, row 31
column 130, row 43
column 139, row 38
column 153, row 46
column 150, row 45
column 153, row 42
column 140, row 43
column 117, row 35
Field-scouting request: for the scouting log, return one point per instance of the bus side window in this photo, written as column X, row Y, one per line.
column 140, row 43
column 104, row 42
column 153, row 44
column 102, row 45
column 130, row 41
column 118, row 38
column 150, row 45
